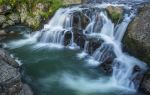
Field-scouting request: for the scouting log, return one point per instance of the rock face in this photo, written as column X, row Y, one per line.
column 10, row 79
column 145, row 85
column 137, row 41
column 137, row 38
column 31, row 13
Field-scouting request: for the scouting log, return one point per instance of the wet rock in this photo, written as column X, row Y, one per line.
column 80, row 21
column 79, row 38
column 94, row 44
column 10, row 78
column 7, row 58
column 107, row 66
column 137, row 37
column 10, row 81
column 145, row 84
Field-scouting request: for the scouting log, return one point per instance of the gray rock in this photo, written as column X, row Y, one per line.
column 7, row 58
column 23, row 12
column 137, row 38
column 14, row 17
column 26, row 90
column 2, row 19
column 10, row 79
column 137, row 41
column 8, row 23
column 2, row 32
column 5, row 9
column 145, row 84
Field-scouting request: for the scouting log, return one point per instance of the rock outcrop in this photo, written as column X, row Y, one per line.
column 137, row 41
column 137, row 38
column 31, row 13
column 10, row 78
column 115, row 13
column 145, row 84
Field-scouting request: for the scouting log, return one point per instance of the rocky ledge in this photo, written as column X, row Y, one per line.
column 10, row 78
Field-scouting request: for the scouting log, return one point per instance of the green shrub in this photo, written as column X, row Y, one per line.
column 116, row 17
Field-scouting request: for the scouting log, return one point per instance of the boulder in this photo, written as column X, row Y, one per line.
column 10, row 78
column 2, row 19
column 4, row 9
column 137, row 37
column 10, row 82
column 115, row 13
column 14, row 17
column 33, row 22
column 80, row 20
column 7, row 58
column 145, row 84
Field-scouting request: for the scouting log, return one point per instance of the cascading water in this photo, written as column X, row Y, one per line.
column 100, row 27
column 122, row 71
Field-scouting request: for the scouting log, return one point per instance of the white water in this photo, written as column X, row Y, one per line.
column 84, row 53
column 53, row 35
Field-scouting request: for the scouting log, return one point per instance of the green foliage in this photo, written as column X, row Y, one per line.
column 34, row 8
column 115, row 16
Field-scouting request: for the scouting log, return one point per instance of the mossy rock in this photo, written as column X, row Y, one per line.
column 137, row 37
column 115, row 13
column 31, row 12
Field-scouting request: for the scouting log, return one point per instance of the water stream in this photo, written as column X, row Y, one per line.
column 51, row 68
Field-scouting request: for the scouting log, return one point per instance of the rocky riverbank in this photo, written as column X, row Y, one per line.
column 29, row 12
column 10, row 77
column 15, row 16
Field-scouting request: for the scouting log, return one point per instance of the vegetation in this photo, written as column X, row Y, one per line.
column 115, row 16
column 35, row 9
column 115, row 13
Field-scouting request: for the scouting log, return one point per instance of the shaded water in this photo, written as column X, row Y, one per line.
column 60, row 72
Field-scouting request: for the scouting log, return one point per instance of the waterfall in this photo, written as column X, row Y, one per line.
column 54, row 32
column 84, row 53
column 123, row 64
column 100, row 27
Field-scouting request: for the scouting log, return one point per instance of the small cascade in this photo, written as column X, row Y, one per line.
column 86, row 46
column 122, row 27
column 95, row 23
column 102, row 53
column 84, row 53
column 54, row 32
column 123, row 71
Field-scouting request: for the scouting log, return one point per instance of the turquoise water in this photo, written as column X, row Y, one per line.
column 52, row 71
